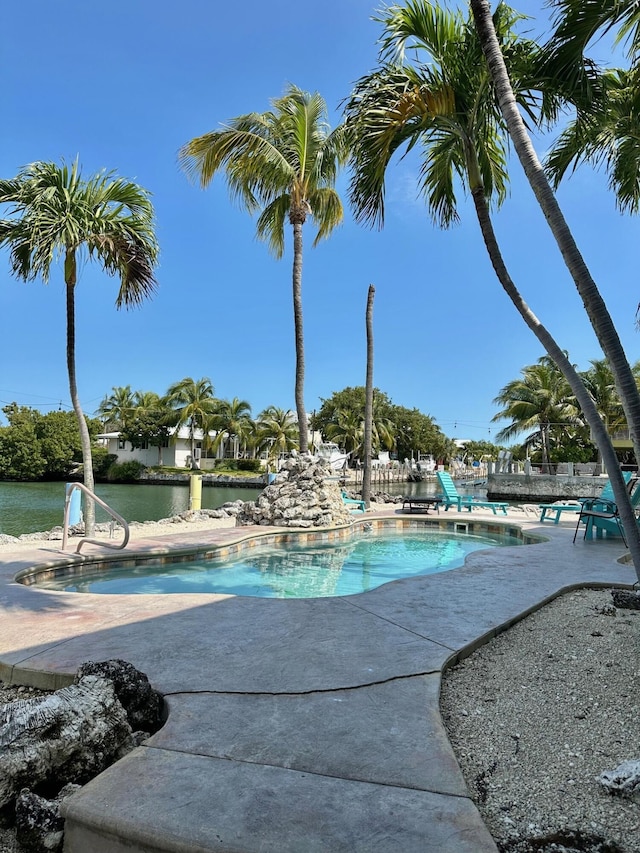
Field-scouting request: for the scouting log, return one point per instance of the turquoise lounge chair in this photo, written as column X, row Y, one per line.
column 353, row 504
column 553, row 511
column 602, row 515
column 451, row 497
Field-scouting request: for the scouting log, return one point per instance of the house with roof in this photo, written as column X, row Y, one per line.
column 173, row 452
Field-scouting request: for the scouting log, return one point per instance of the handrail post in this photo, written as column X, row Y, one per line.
column 114, row 515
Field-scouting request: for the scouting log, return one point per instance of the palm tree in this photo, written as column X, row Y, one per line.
column 579, row 22
column 194, row 404
column 117, row 407
column 447, row 107
column 605, row 134
column 233, row 418
column 277, row 431
column 55, row 213
column 347, row 430
column 540, row 401
column 368, row 405
column 586, row 286
column 283, row 163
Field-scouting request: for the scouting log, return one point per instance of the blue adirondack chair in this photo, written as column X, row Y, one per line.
column 353, row 504
column 451, row 497
column 553, row 511
column 601, row 515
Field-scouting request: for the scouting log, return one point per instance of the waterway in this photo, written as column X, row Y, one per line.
column 31, row 507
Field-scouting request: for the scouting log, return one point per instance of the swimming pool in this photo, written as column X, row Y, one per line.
column 294, row 571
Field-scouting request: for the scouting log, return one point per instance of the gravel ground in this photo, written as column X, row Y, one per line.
column 538, row 713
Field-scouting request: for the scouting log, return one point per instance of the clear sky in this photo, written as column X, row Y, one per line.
column 122, row 85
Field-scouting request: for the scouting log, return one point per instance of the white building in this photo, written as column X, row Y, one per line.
column 175, row 452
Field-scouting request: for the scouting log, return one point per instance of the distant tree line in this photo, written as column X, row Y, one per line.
column 35, row 446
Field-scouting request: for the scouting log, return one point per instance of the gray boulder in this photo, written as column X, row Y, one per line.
column 143, row 705
column 39, row 823
column 68, row 736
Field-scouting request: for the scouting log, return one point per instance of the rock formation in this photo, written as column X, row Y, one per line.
column 55, row 742
column 302, row 495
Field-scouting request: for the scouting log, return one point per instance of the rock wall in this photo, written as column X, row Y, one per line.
column 543, row 488
column 302, row 495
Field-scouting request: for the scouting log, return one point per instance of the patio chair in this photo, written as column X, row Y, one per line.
column 602, row 515
column 451, row 497
column 553, row 511
column 353, row 504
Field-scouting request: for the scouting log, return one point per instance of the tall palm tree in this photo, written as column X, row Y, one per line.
column 233, row 418
column 447, row 106
column 283, row 163
column 347, row 430
column 118, row 406
column 368, row 404
column 594, row 304
column 55, row 213
column 606, row 134
column 194, row 404
column 540, row 400
column 277, row 431
column 578, row 22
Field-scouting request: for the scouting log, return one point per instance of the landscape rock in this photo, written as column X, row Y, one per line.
column 626, row 599
column 39, row 823
column 624, row 780
column 302, row 495
column 143, row 705
column 68, row 736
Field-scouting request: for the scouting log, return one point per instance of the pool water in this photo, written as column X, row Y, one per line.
column 294, row 572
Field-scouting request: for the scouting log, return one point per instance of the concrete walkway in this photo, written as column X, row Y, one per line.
column 294, row 726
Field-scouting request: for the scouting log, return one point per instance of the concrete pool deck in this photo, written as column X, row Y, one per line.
column 294, row 726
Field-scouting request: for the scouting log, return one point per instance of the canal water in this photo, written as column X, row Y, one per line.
column 31, row 507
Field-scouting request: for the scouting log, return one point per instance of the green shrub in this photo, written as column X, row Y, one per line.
column 253, row 465
column 125, row 472
column 102, row 462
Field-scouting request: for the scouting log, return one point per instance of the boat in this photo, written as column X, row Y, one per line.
column 331, row 453
column 423, row 468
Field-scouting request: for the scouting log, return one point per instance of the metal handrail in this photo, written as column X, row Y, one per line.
column 112, row 513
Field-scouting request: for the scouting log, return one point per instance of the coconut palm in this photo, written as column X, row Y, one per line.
column 578, row 22
column 347, row 430
column 540, row 400
column 446, row 106
column 56, row 214
column 283, row 163
column 117, row 407
column 277, row 431
column 605, row 135
column 594, row 304
column 194, row 404
column 368, row 404
column 233, row 418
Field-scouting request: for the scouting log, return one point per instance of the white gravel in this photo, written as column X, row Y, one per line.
column 538, row 713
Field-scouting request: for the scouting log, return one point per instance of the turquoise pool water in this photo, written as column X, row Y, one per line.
column 291, row 572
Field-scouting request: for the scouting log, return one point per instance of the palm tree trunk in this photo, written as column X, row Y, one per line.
column 299, row 335
column 594, row 304
column 585, row 401
column 368, row 402
column 85, row 439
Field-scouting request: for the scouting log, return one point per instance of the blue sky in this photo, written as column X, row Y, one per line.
column 123, row 85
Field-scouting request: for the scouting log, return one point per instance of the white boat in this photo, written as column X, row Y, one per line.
column 332, row 454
